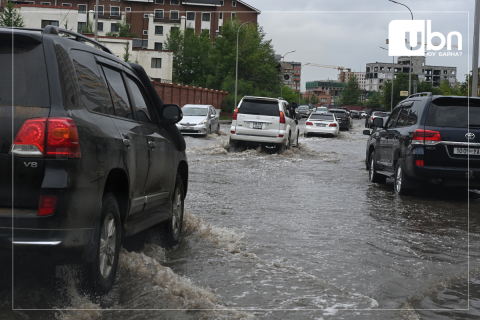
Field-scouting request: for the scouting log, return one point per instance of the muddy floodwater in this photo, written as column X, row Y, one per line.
column 302, row 235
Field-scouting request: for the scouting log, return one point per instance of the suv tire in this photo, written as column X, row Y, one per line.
column 401, row 183
column 173, row 226
column 373, row 176
column 104, row 268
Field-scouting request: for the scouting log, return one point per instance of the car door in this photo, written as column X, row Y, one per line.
column 386, row 135
column 291, row 122
column 132, row 135
column 214, row 119
column 406, row 121
column 159, row 180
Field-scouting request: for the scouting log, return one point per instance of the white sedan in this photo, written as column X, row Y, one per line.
column 321, row 124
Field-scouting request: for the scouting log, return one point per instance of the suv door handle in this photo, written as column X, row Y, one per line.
column 126, row 142
column 151, row 144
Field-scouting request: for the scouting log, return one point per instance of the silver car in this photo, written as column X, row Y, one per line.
column 199, row 119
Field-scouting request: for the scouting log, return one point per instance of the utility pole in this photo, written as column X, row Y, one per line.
column 96, row 19
column 475, row 50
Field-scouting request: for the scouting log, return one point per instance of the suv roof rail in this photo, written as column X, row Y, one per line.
column 77, row 36
column 420, row 94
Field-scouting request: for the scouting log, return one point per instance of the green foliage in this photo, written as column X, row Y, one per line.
column 111, row 34
column 199, row 62
column 351, row 95
column 66, row 26
column 10, row 17
column 123, row 30
column 88, row 28
column 126, row 55
column 375, row 101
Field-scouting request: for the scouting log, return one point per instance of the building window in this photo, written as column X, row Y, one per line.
column 220, row 15
column 145, row 16
column 128, row 9
column 234, row 3
column 114, row 11
column 100, row 10
column 80, row 26
column 175, row 2
column 159, row 14
column 158, row 46
column 375, row 69
column 100, row 26
column 49, row 23
column 140, row 43
column 191, row 16
column 82, row 8
column 174, row 14
column 172, row 29
column 206, row 16
column 114, row 27
column 158, row 29
column 234, row 14
column 221, row 3
column 445, row 72
column 159, row 1
column 323, row 99
column 453, row 72
column 156, row 62
column 66, row 4
column 45, row 3
column 382, row 68
column 145, row 32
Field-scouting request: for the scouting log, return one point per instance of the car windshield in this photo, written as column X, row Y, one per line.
column 260, row 107
column 302, row 108
column 196, row 112
column 451, row 112
column 380, row 114
column 321, row 117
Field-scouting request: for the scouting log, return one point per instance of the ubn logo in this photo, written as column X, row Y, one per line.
column 397, row 35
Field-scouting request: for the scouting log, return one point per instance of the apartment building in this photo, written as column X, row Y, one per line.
column 379, row 72
column 359, row 75
column 325, row 88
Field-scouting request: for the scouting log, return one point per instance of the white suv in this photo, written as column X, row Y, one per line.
column 265, row 121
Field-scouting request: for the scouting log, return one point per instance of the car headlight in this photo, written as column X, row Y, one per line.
column 203, row 122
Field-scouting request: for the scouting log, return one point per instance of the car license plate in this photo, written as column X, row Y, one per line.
column 321, row 125
column 471, row 151
column 257, row 125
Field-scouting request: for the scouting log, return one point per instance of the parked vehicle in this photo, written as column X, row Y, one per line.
column 265, row 121
column 427, row 139
column 321, row 124
column 363, row 115
column 374, row 115
column 355, row 114
column 344, row 120
column 96, row 155
column 303, row 111
column 199, row 119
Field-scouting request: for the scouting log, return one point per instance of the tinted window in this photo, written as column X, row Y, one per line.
column 391, row 120
column 321, row 117
column 339, row 113
column 264, row 108
column 302, row 108
column 380, row 114
column 450, row 112
column 29, row 81
column 118, row 93
column 199, row 112
column 91, row 87
column 141, row 101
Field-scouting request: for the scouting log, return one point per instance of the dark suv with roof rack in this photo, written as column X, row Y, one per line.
column 88, row 151
column 427, row 139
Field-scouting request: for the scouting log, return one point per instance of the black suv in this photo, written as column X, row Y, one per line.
column 93, row 155
column 343, row 118
column 427, row 139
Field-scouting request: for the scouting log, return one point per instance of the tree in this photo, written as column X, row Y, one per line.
column 123, row 30
column 445, row 88
column 10, row 17
column 352, row 92
column 375, row 101
column 88, row 28
column 126, row 55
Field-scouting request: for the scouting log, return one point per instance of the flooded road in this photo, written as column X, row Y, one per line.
column 302, row 235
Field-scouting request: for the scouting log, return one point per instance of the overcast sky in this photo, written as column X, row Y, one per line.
column 348, row 33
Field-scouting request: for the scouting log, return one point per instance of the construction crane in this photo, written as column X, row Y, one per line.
column 340, row 69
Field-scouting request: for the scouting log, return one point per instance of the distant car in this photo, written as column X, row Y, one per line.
column 304, row 111
column 321, row 124
column 321, row 110
column 363, row 115
column 374, row 115
column 343, row 117
column 355, row 114
column 199, row 119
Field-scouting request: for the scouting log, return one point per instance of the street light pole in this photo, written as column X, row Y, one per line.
column 410, row 62
column 281, row 88
column 96, row 19
column 236, row 63
column 393, row 77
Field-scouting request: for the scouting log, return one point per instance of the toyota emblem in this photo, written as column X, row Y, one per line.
column 470, row 136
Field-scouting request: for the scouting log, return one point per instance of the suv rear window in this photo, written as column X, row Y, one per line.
column 264, row 108
column 29, row 77
column 339, row 113
column 453, row 112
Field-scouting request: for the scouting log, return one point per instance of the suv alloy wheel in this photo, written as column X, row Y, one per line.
column 373, row 176
column 175, row 223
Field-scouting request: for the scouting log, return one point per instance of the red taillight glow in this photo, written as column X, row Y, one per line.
column 62, row 138
column 32, row 133
column 232, row 132
column 47, row 205
column 280, row 135
column 332, row 125
column 282, row 117
column 235, row 114
column 427, row 135
column 309, row 123
column 419, row 163
column 372, row 118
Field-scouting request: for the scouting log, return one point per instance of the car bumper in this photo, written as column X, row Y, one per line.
column 448, row 176
column 259, row 139
column 321, row 130
column 193, row 130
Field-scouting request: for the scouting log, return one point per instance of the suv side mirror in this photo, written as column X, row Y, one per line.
column 378, row 122
column 171, row 114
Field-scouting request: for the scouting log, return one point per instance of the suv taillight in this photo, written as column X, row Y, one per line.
column 282, row 117
column 372, row 118
column 235, row 114
column 429, row 136
column 48, row 137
